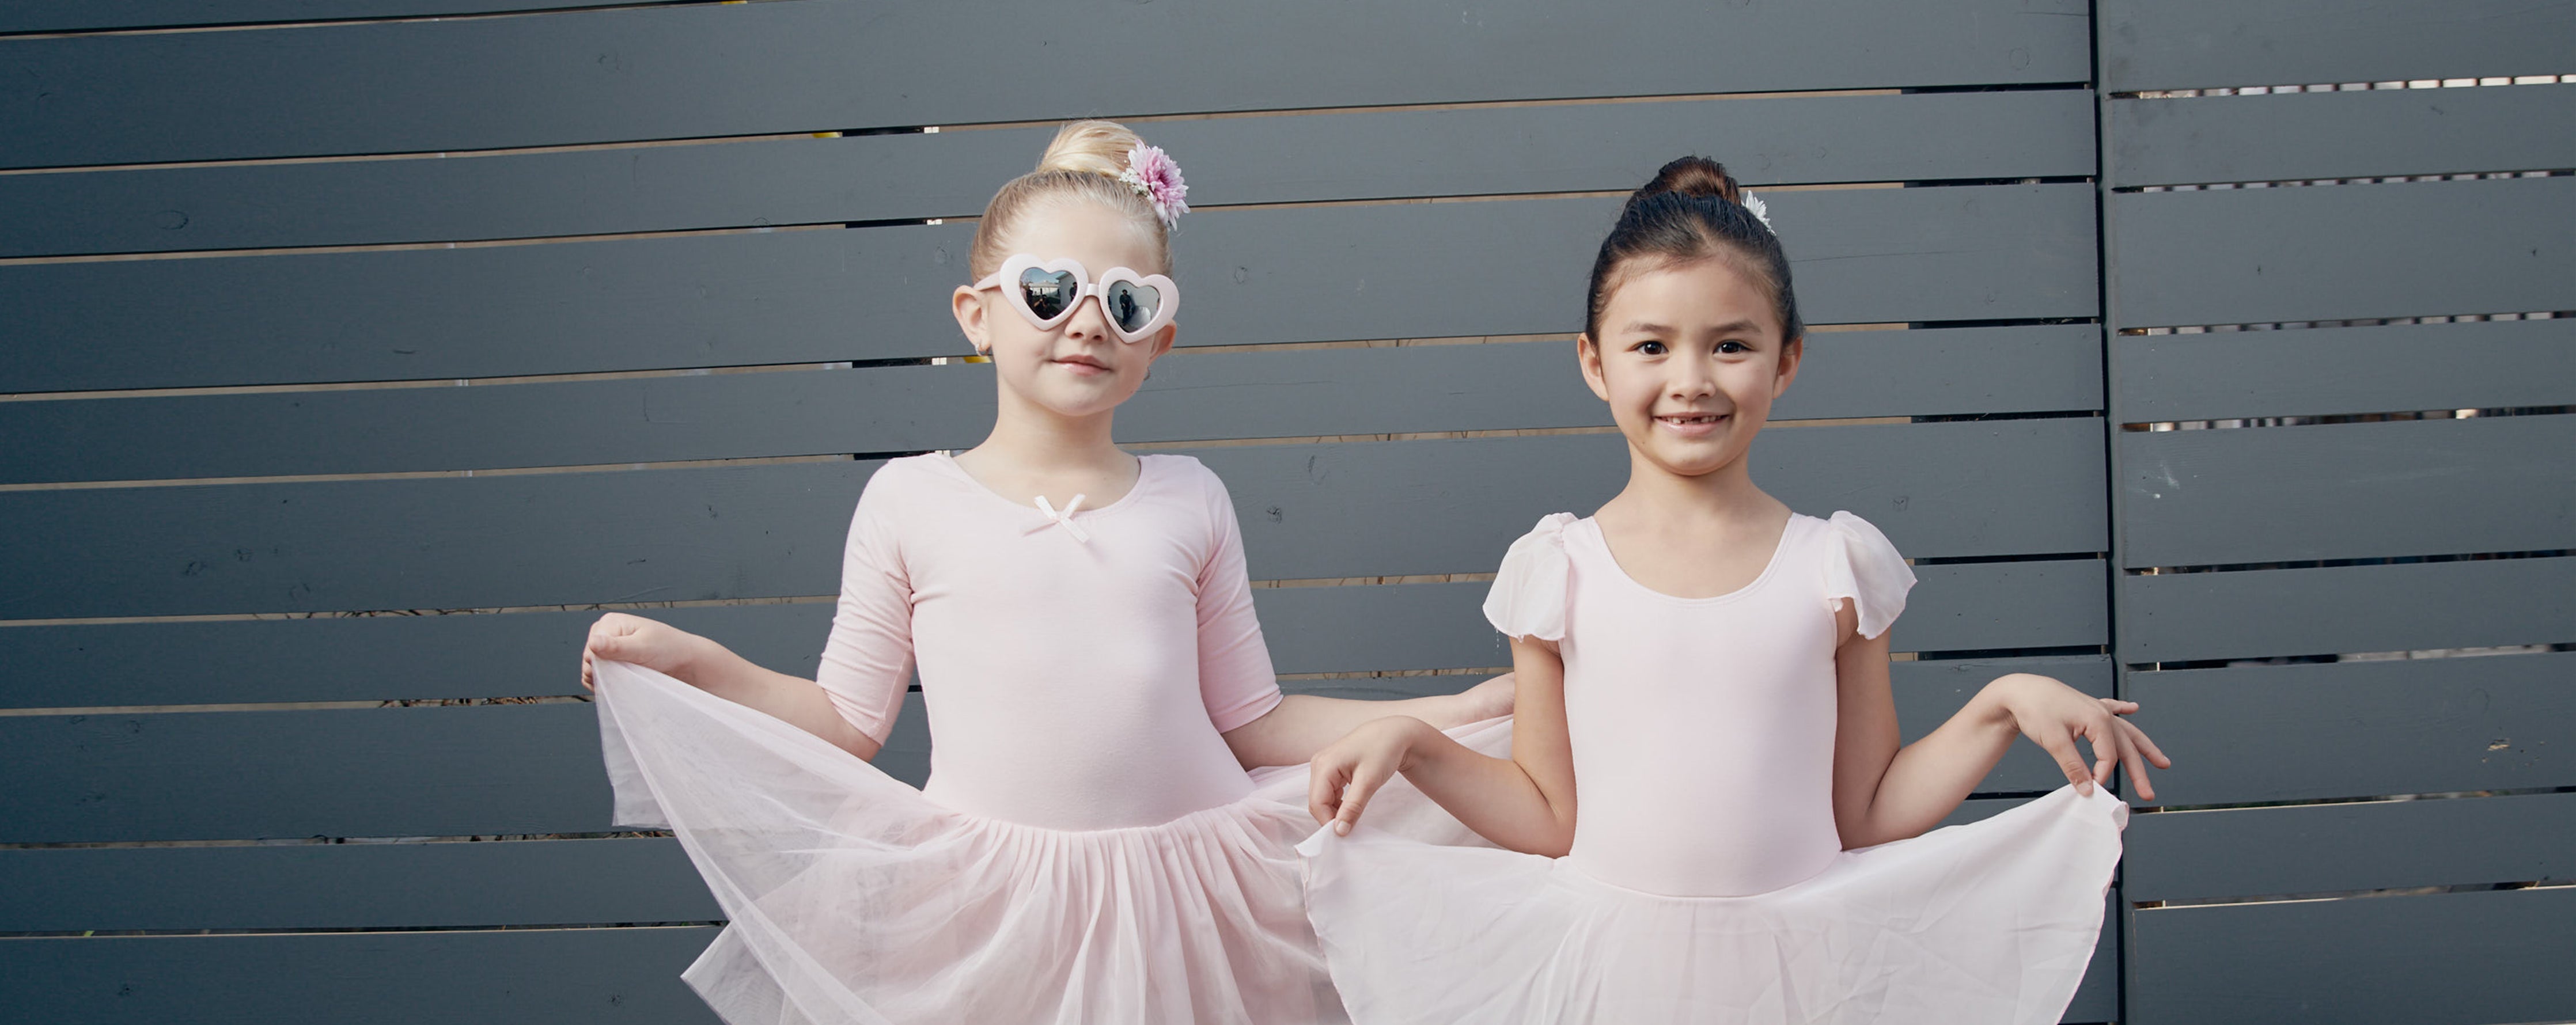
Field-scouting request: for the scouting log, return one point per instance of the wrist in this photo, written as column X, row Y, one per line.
column 1992, row 707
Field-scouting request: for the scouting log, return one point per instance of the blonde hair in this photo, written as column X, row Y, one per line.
column 1083, row 162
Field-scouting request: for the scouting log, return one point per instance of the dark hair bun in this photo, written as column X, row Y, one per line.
column 1694, row 176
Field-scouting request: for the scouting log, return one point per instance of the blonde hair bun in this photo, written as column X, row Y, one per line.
column 1095, row 147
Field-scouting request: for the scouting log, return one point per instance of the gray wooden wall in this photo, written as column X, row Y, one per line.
column 315, row 467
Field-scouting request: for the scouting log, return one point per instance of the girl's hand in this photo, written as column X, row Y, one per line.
column 1343, row 775
column 619, row 637
column 2053, row 715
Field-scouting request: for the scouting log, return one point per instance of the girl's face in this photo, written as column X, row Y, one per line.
column 1690, row 357
column 1077, row 368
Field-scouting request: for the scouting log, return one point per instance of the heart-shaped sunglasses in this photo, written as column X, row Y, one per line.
column 1046, row 292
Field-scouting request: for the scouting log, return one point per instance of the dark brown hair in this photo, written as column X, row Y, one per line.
column 1692, row 210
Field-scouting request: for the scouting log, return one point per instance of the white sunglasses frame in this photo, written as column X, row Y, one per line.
column 1017, row 264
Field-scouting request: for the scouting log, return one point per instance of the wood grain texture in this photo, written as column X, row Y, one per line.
column 101, row 15
column 2261, row 256
column 1296, row 274
column 1293, row 158
column 1187, row 397
column 2190, row 617
column 683, row 71
column 2347, row 491
column 1314, row 511
column 2337, row 371
column 2208, row 44
column 621, row 976
column 347, row 886
column 2361, row 729
column 2361, row 134
column 2333, row 848
column 515, row 769
column 2446, row 959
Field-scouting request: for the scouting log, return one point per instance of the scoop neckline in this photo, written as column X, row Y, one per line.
column 1778, row 549
column 1144, row 470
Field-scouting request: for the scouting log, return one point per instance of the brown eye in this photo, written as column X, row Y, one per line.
column 1650, row 348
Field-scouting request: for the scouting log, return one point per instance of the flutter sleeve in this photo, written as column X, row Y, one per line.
column 1528, row 596
column 867, row 661
column 1861, row 565
column 1235, row 675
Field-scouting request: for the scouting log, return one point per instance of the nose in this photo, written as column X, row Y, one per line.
column 1690, row 379
column 1090, row 322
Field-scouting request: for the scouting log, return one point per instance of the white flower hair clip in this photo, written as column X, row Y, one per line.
column 1760, row 212
column 1153, row 175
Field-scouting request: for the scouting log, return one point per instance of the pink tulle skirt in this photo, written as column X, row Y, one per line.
column 852, row 898
column 1986, row 923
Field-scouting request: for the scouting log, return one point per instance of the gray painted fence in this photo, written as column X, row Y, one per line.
column 317, row 467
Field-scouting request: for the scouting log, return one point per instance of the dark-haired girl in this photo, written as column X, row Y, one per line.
column 1708, row 670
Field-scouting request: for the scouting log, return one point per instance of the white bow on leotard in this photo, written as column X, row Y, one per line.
column 1063, row 518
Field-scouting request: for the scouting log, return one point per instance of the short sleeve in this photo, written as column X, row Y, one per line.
column 1235, row 676
column 867, row 662
column 1862, row 566
column 1528, row 596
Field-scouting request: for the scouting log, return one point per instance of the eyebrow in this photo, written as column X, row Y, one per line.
column 1730, row 328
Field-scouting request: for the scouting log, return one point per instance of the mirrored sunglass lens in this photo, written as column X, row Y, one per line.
column 1048, row 294
column 1132, row 305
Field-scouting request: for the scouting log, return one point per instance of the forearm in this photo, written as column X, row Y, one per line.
column 795, row 700
column 1302, row 724
column 1495, row 797
column 1928, row 779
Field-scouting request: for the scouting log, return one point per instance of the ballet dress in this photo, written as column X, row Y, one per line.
column 1706, row 881
column 1087, row 848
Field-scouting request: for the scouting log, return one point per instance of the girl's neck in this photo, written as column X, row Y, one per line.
column 1037, row 451
column 1657, row 497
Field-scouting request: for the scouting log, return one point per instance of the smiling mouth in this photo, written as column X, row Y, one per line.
column 1687, row 420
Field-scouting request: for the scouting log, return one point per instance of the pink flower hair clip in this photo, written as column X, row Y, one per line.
column 1153, row 175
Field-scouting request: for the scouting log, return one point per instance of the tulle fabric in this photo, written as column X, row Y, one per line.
column 852, row 898
column 1865, row 567
column 1988, row 923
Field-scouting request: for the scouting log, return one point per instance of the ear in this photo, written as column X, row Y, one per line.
column 968, row 305
column 1587, row 355
column 1790, row 354
column 1160, row 344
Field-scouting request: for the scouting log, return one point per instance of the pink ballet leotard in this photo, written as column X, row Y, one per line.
column 1088, row 849
column 1706, row 880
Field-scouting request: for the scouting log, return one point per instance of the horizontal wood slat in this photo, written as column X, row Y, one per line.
column 625, row 976
column 1309, row 629
column 2345, row 491
column 700, row 71
column 2332, row 848
column 2209, row 44
column 1300, row 274
column 1308, row 511
column 352, row 886
column 513, row 769
column 1282, row 159
column 2187, row 617
column 2322, row 252
column 2445, row 959
column 1189, row 397
column 2344, row 370
column 2361, row 134
column 2362, row 729
column 359, row 658
column 472, row 771
column 104, row 15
